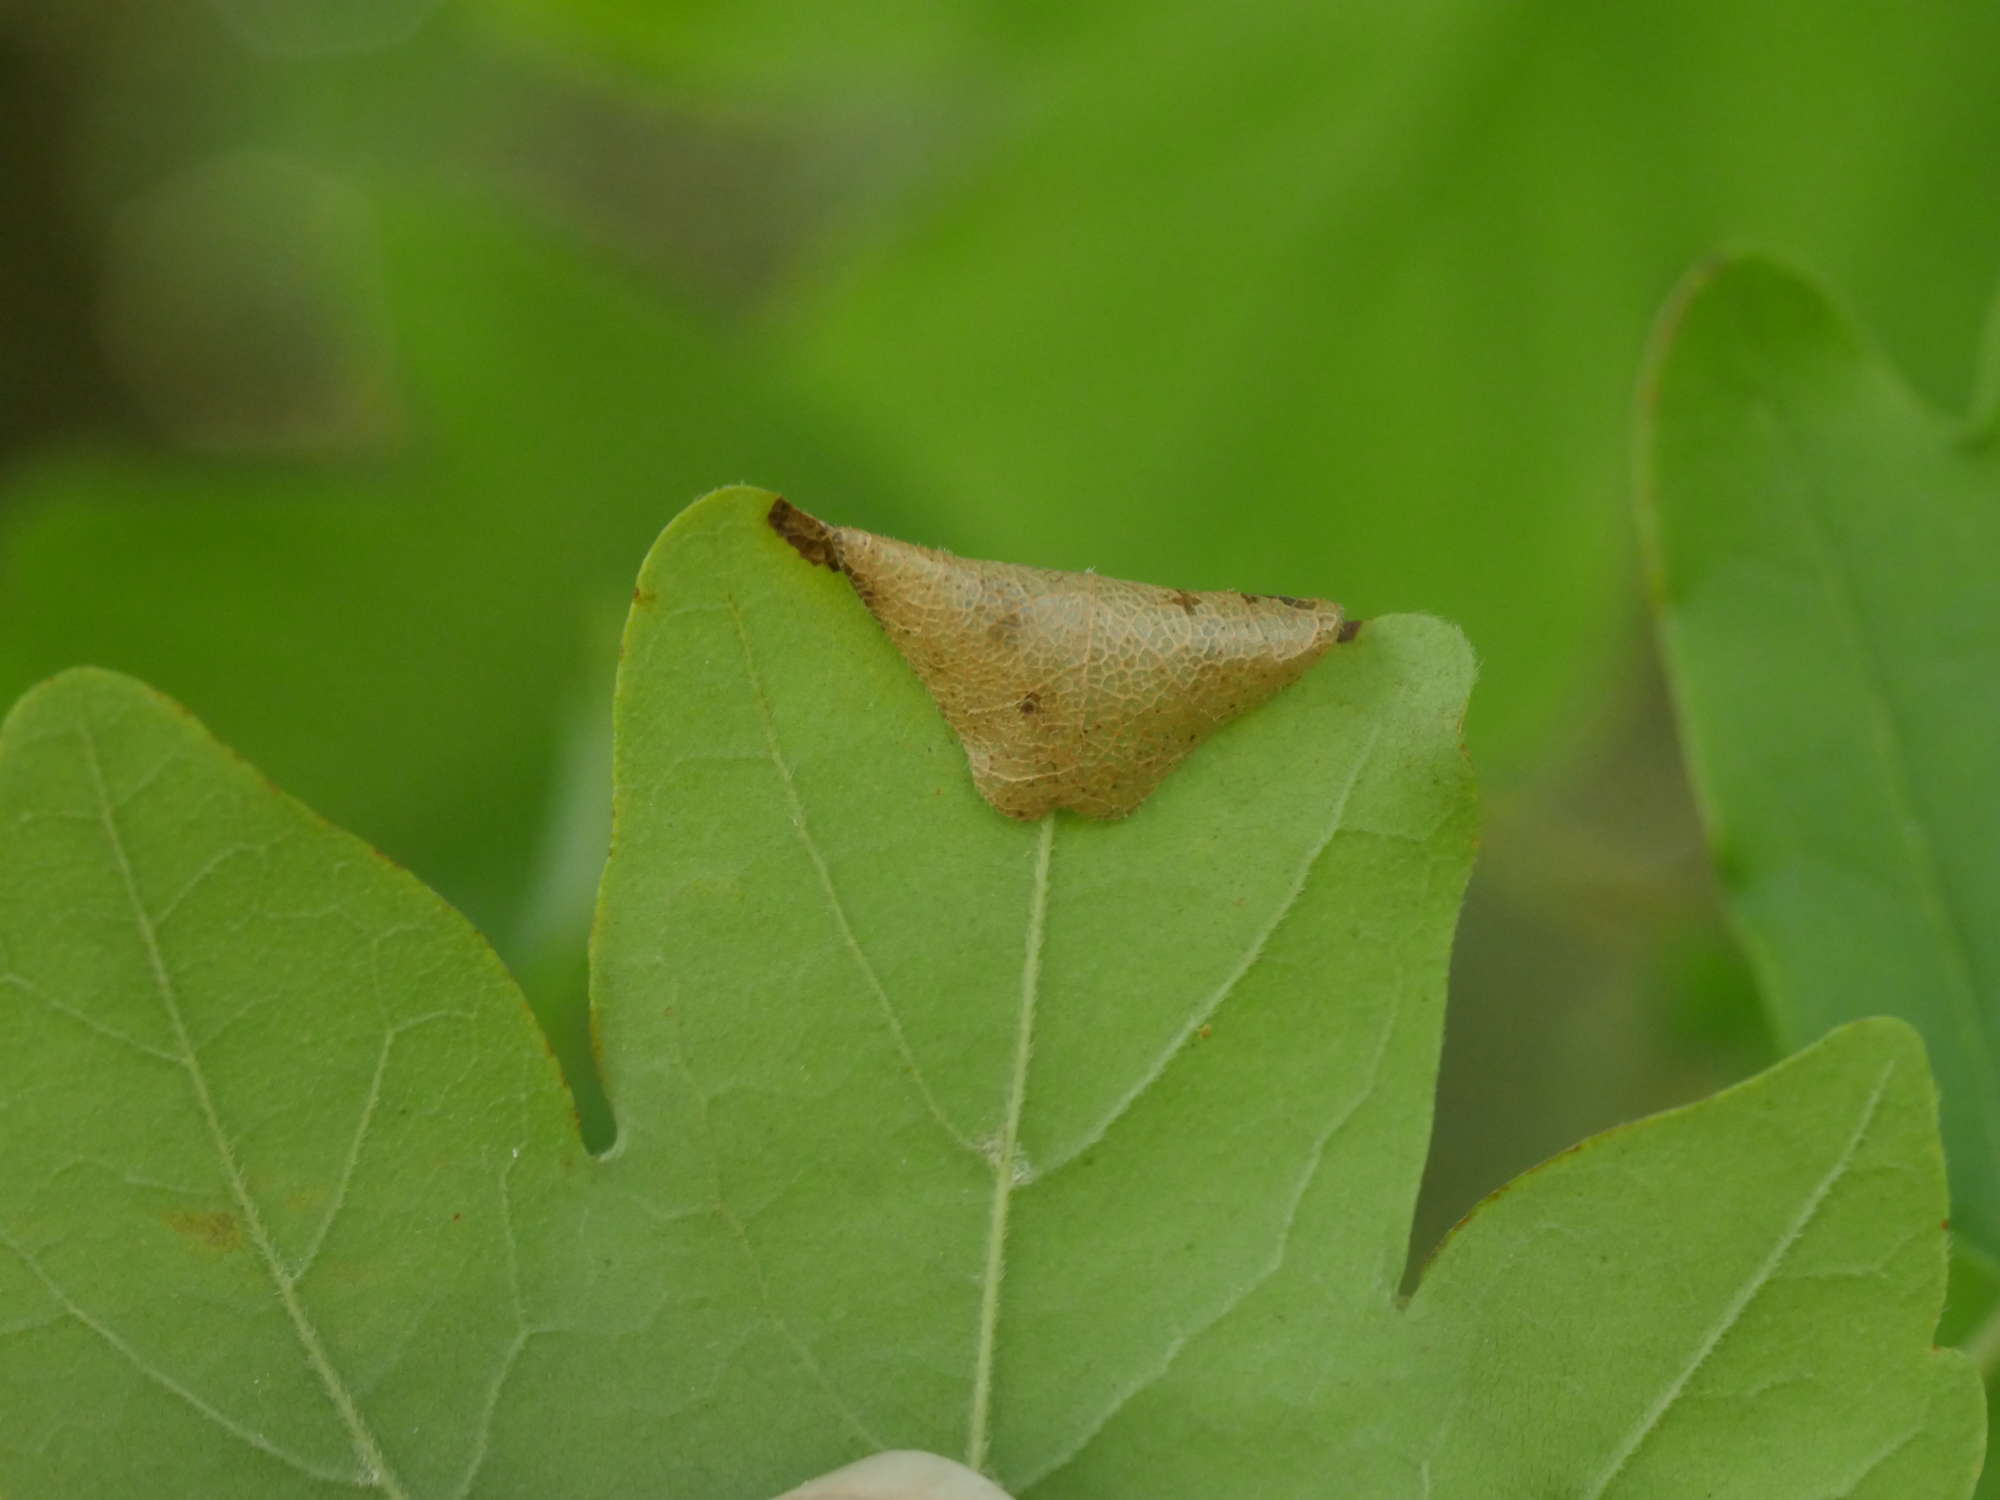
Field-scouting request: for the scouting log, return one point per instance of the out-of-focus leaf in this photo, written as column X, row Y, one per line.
column 1969, row 1323
column 754, row 48
column 1823, row 548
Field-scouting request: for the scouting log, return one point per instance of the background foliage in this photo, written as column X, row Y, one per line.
column 351, row 354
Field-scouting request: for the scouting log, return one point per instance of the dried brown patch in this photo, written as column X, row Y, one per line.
column 809, row 536
column 1069, row 689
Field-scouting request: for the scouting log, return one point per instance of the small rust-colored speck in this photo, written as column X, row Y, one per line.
column 1206, row 1031
column 455, row 1218
column 1349, row 629
column 642, row 598
column 215, row 1231
column 1030, row 703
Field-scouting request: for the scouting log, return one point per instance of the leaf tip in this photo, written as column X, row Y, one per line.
column 1737, row 307
column 84, row 692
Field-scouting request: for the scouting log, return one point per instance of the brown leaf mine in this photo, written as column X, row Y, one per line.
column 1067, row 689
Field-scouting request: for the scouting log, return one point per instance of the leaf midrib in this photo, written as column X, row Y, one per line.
column 1005, row 1156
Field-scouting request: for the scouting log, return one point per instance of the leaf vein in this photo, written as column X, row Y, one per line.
column 167, row 909
column 1882, row 1459
column 1655, row 1415
column 352, row 1157
column 87, row 1021
column 523, row 1331
column 1006, row 1157
column 838, row 909
column 375, row 1467
column 1207, row 1009
column 1280, row 1252
column 761, row 1283
column 82, row 1315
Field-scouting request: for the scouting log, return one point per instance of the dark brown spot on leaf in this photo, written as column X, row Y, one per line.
column 809, row 536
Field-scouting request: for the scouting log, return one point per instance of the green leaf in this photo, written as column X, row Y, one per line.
column 289, row 1203
column 1823, row 547
column 1789, row 1354
column 833, row 855
column 278, row 1130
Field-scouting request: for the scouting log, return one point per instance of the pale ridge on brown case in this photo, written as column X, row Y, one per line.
column 1067, row 689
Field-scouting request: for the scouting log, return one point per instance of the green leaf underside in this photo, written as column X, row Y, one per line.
column 290, row 1200
column 1824, row 548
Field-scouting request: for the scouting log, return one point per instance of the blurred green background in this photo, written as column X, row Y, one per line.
column 353, row 351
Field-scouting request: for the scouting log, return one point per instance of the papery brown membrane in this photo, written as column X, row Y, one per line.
column 1069, row 690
